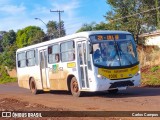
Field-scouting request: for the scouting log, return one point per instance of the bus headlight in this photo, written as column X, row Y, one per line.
column 100, row 76
column 137, row 73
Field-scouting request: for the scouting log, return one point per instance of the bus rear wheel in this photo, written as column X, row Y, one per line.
column 114, row 91
column 74, row 88
column 33, row 87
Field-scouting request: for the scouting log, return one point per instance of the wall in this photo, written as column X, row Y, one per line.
column 153, row 40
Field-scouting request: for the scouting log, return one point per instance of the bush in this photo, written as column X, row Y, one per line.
column 149, row 57
column 4, row 77
column 155, row 68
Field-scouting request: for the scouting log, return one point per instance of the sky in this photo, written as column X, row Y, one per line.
column 18, row 14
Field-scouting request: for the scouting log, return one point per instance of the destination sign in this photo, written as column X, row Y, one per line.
column 108, row 36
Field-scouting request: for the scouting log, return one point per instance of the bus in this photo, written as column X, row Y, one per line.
column 82, row 62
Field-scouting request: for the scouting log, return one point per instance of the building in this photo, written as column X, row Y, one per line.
column 150, row 39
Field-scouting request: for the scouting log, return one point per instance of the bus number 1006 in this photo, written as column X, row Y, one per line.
column 113, row 76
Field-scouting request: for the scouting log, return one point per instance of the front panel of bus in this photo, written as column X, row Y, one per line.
column 115, row 62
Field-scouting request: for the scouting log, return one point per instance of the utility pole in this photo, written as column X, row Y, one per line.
column 59, row 13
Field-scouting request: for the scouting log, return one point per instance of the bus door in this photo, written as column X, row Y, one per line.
column 82, row 60
column 43, row 65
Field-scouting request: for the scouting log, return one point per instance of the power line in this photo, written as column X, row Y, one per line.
column 135, row 14
column 59, row 13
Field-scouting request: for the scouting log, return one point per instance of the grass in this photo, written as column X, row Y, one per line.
column 8, row 80
column 150, row 62
column 4, row 77
column 151, row 76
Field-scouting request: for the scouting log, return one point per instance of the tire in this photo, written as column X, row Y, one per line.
column 74, row 87
column 33, row 87
column 114, row 91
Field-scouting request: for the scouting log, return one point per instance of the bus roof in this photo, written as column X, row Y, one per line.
column 85, row 34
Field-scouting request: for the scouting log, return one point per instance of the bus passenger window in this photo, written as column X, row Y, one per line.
column 21, row 58
column 30, row 58
column 67, row 51
column 53, row 54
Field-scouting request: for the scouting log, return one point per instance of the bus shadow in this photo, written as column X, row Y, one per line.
column 60, row 92
column 132, row 92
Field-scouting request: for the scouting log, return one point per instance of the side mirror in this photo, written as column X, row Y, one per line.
column 90, row 48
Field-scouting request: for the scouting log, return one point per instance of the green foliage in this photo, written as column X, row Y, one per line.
column 28, row 36
column 53, row 29
column 8, row 39
column 157, row 14
column 139, row 23
column 87, row 27
column 151, row 76
column 101, row 26
column 8, row 55
column 155, row 68
column 152, row 81
column 4, row 77
column 63, row 32
column 118, row 17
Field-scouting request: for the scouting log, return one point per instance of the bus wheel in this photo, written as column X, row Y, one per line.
column 114, row 91
column 33, row 87
column 74, row 87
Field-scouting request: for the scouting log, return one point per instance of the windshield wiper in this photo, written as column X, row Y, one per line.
column 116, row 46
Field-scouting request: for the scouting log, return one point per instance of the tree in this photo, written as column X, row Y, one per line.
column 29, row 35
column 131, row 15
column 63, row 32
column 53, row 29
column 8, row 39
column 157, row 14
column 101, row 26
column 87, row 27
column 8, row 55
column 1, row 37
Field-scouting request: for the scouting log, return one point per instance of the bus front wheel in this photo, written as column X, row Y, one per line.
column 74, row 87
column 33, row 87
column 114, row 91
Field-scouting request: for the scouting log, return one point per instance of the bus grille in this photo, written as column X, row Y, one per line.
column 121, row 84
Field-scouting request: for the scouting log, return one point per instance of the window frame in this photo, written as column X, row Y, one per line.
column 18, row 64
column 53, row 54
column 67, row 51
column 27, row 59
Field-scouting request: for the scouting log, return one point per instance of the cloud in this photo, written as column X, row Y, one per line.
column 15, row 23
column 3, row 2
column 71, row 18
column 22, row 15
column 12, row 9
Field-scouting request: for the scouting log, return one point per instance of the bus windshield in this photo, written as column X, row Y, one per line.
column 108, row 53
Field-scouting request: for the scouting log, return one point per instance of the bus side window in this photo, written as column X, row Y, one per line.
column 21, row 58
column 30, row 61
column 53, row 54
column 67, row 51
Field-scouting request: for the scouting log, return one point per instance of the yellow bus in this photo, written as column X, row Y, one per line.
column 86, row 61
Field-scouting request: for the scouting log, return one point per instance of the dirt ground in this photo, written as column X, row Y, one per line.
column 13, row 98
